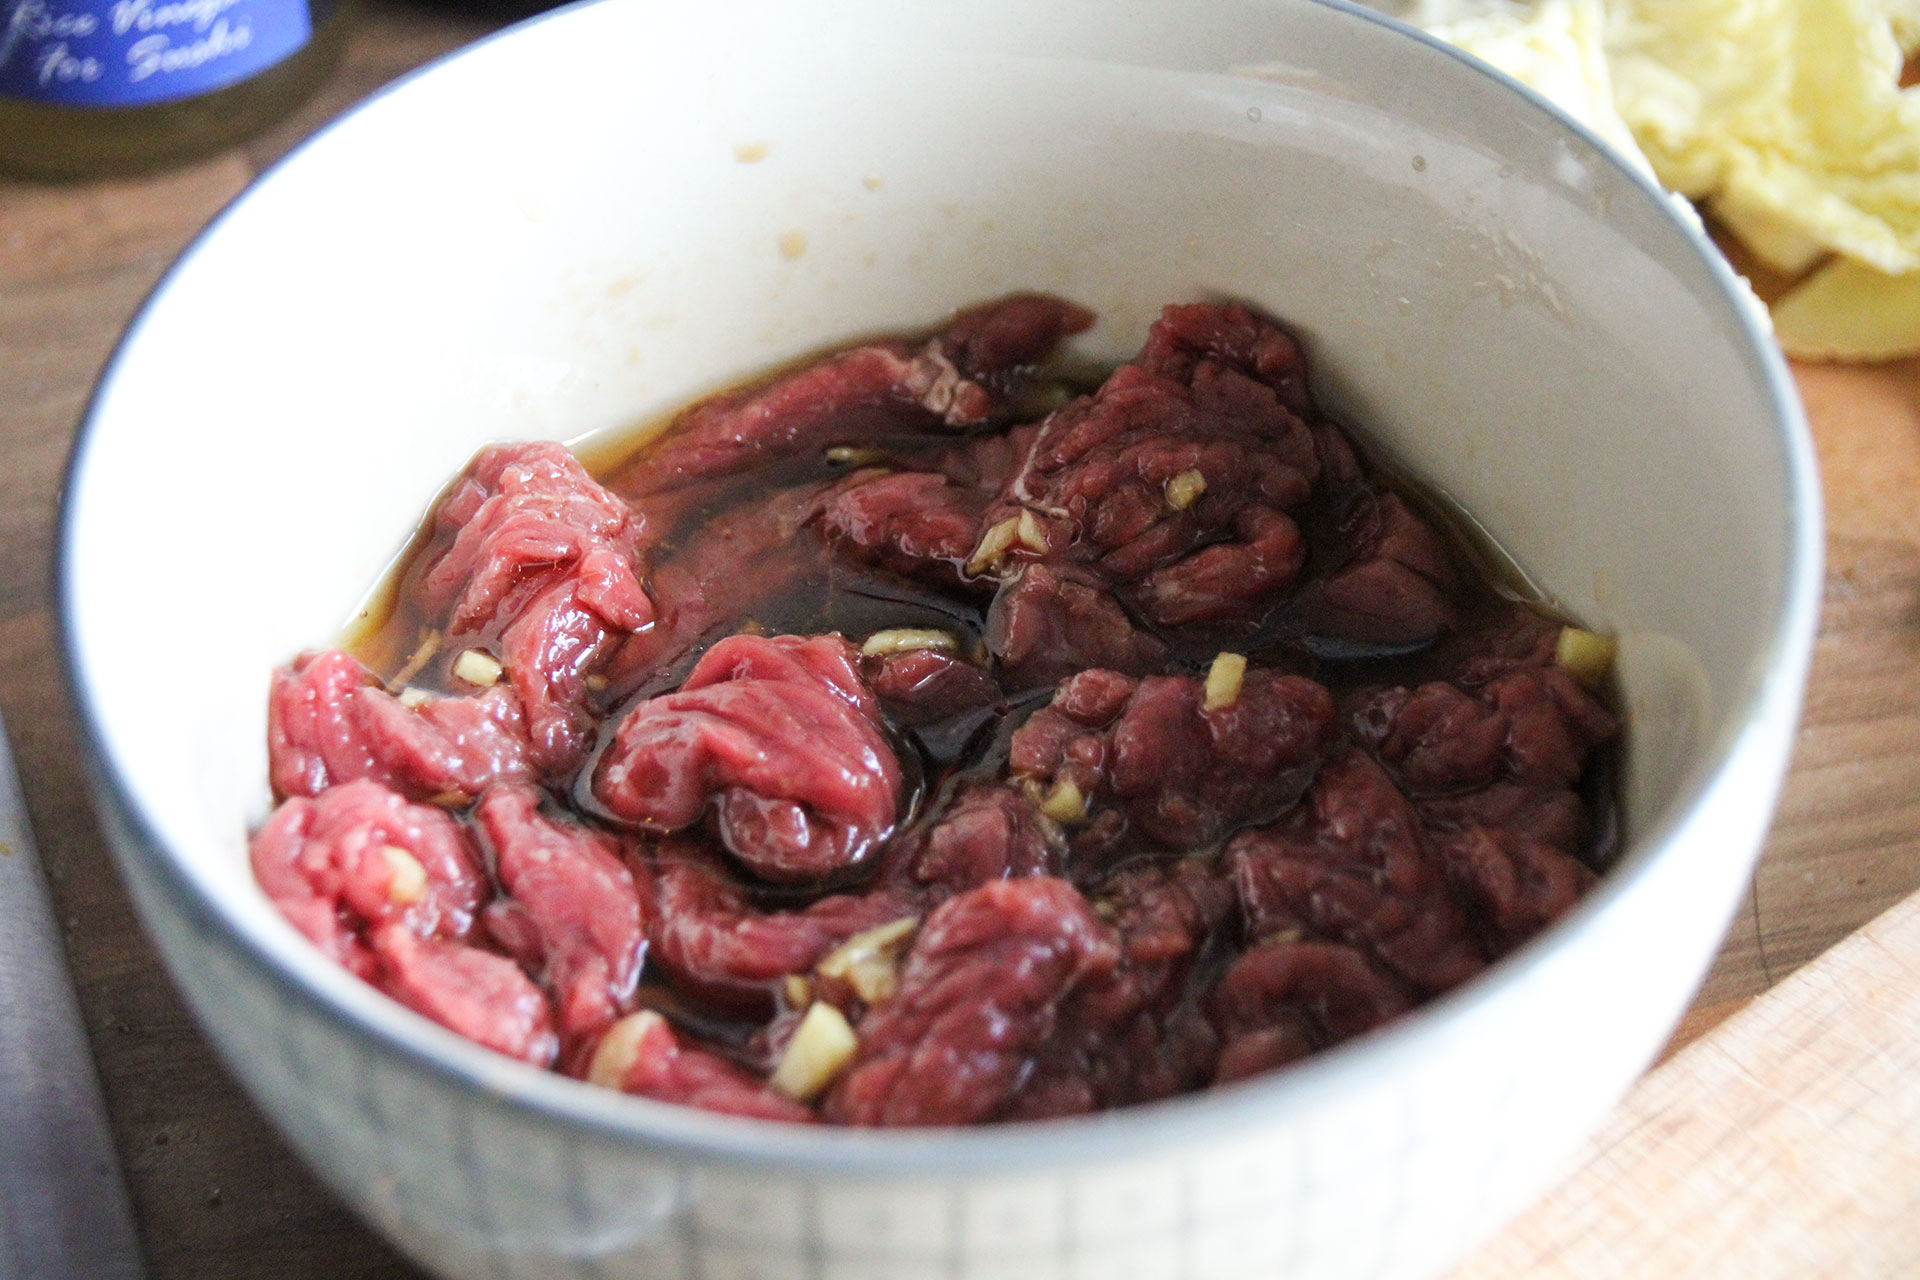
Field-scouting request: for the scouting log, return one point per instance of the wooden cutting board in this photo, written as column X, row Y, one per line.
column 1785, row 1144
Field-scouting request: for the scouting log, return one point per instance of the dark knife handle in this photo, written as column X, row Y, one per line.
column 63, row 1206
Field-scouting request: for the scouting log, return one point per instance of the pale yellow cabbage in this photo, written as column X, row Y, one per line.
column 1784, row 116
column 1846, row 311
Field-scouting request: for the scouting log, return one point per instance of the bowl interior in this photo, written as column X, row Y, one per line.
column 677, row 196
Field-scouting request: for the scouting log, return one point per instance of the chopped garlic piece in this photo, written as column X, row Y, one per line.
column 1586, row 656
column 798, row 990
column 822, row 1045
column 994, row 544
column 407, row 879
column 476, row 666
column 879, row 939
column 865, row 961
column 846, row 455
column 1785, row 117
column 1224, row 679
column 905, row 640
column 1065, row 804
column 1185, row 489
column 874, row 978
column 1033, row 534
column 411, row 697
column 619, row 1049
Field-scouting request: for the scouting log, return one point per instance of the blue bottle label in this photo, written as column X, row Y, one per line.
column 129, row 53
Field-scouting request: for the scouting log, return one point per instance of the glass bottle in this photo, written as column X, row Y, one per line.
column 91, row 87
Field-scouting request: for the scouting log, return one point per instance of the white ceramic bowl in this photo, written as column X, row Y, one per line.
column 602, row 214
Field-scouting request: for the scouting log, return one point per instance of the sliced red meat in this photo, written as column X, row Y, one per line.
column 915, row 523
column 988, row 832
column 962, row 377
column 548, row 652
column 541, row 561
column 523, row 516
column 1136, row 1034
column 921, row 686
column 1493, row 771
column 978, row 997
column 780, row 737
column 474, row 993
column 1177, row 490
column 1226, row 581
column 1554, row 725
column 1187, row 337
column 642, row 1055
column 708, row 936
column 1534, row 726
column 1556, row 818
column 1515, row 885
column 1437, row 737
column 1283, row 1000
column 1351, row 865
column 1176, row 478
column 570, row 911
column 358, row 855
column 330, row 721
column 1183, row 776
column 1396, row 587
column 1054, row 620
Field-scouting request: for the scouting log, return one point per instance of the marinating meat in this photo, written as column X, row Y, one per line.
column 642, row 1055
column 330, row 721
column 390, row 890
column 925, row 686
column 916, row 523
column 1054, row 620
column 781, row 739
column 568, row 910
column 987, row 832
column 1352, row 862
column 1138, row 1033
column 708, row 935
column 1285, row 999
column 978, row 998
column 962, row 377
column 931, row 736
column 1182, row 772
column 536, row 565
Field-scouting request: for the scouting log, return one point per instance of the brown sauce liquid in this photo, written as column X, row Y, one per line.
column 811, row 590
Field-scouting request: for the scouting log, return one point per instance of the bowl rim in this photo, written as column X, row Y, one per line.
column 378, row 1025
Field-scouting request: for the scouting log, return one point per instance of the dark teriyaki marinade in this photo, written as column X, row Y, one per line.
column 922, row 737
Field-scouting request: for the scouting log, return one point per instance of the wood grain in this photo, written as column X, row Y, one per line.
column 1846, row 841
column 1785, row 1146
column 216, row 1193
column 219, row 1197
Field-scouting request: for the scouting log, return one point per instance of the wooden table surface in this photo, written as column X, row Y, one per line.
column 218, row 1195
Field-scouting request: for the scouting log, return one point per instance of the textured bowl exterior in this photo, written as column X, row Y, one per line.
column 1387, row 1170
column 1510, row 313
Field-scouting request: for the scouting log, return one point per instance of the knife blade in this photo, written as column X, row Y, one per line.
column 63, row 1205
